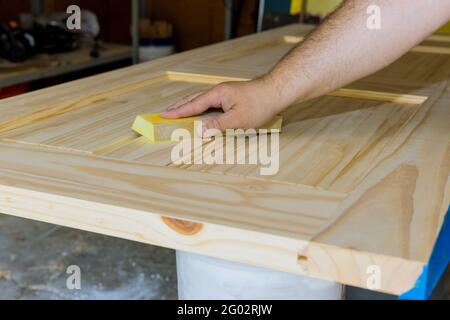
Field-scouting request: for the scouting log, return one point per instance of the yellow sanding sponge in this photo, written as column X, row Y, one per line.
column 159, row 129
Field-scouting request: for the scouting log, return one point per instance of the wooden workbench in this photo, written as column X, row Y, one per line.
column 363, row 179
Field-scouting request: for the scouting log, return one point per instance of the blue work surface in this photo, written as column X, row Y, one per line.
column 435, row 268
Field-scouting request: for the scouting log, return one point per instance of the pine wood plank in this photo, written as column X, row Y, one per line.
column 322, row 138
column 229, row 217
column 364, row 175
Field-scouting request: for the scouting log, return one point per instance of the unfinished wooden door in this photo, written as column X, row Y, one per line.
column 363, row 178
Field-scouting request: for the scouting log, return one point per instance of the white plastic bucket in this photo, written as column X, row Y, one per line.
column 149, row 53
column 201, row 277
column 150, row 49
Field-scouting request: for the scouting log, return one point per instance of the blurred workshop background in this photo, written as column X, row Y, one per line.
column 37, row 51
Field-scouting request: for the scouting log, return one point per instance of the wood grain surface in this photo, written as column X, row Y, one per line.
column 363, row 177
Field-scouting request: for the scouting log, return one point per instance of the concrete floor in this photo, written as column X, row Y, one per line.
column 34, row 258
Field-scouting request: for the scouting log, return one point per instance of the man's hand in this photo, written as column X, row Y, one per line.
column 341, row 50
column 246, row 104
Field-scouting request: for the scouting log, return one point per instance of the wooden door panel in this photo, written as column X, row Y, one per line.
column 363, row 177
column 335, row 129
column 324, row 139
column 104, row 123
column 258, row 55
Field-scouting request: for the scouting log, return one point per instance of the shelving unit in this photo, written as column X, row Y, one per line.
column 78, row 60
column 113, row 53
column 61, row 64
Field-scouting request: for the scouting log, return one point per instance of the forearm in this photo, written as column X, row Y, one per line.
column 343, row 49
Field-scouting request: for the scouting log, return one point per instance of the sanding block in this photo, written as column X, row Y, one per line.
column 159, row 129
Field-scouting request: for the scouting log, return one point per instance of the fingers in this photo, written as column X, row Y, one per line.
column 200, row 103
column 197, row 103
column 228, row 120
column 185, row 100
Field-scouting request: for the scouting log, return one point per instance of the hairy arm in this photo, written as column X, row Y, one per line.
column 341, row 50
